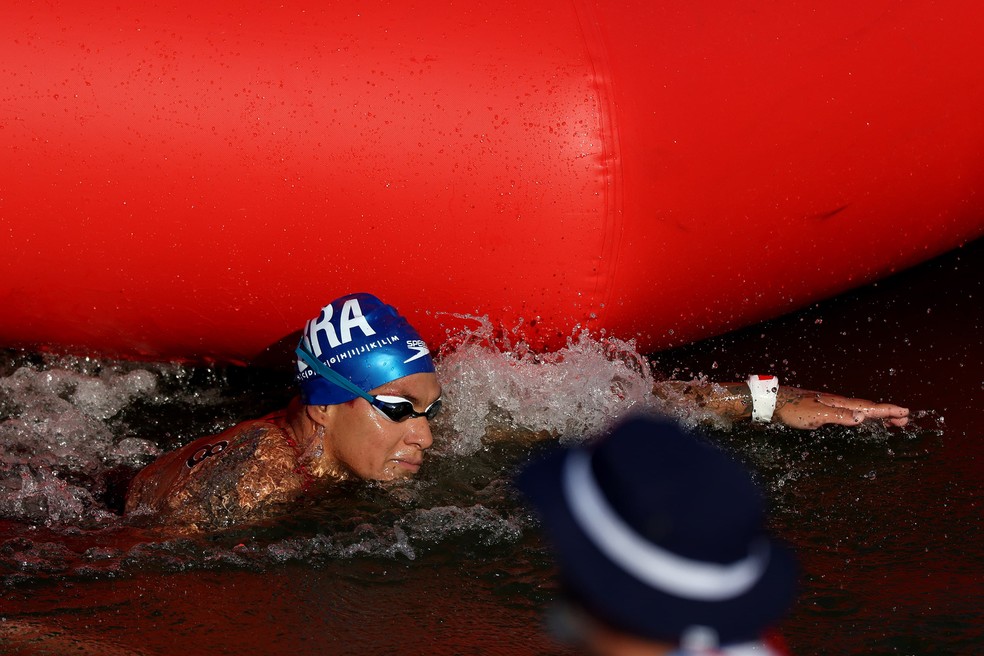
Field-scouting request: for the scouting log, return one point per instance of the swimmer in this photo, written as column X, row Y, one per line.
column 367, row 394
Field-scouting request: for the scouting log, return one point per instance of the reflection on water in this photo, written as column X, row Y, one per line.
column 886, row 521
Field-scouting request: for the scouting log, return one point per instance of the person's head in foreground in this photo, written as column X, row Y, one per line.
column 661, row 544
column 368, row 385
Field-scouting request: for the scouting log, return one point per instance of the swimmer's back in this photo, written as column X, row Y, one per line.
column 223, row 479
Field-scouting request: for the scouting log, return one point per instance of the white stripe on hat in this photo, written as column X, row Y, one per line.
column 651, row 564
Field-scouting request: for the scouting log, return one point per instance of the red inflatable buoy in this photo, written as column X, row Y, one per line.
column 195, row 180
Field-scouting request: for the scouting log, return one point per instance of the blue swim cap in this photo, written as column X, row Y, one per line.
column 364, row 340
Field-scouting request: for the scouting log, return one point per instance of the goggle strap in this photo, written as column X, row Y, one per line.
column 326, row 372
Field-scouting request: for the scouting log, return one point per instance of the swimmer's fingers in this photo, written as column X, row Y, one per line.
column 807, row 410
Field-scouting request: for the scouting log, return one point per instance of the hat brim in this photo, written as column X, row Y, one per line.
column 622, row 601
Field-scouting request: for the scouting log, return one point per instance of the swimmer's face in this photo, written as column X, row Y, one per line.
column 365, row 443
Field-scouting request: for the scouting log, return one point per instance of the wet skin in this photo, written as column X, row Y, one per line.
column 259, row 467
column 796, row 408
column 361, row 442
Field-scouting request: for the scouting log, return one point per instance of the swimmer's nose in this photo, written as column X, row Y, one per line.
column 419, row 433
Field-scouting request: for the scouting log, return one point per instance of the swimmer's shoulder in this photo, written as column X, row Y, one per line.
column 240, row 465
column 203, row 451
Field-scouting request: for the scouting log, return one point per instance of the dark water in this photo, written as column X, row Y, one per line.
column 886, row 522
column 888, row 528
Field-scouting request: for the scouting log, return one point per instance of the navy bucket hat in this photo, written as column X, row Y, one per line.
column 660, row 534
column 363, row 340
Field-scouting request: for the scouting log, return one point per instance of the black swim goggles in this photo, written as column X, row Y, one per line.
column 399, row 409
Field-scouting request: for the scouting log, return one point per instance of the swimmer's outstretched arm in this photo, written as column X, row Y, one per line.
column 797, row 408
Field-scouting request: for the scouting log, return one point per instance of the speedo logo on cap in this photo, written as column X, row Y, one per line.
column 322, row 330
column 419, row 346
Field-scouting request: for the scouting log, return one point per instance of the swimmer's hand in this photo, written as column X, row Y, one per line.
column 799, row 408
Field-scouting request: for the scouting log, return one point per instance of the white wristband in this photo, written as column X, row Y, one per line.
column 764, row 390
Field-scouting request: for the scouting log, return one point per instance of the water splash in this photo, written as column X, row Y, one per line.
column 55, row 442
column 67, row 424
column 493, row 382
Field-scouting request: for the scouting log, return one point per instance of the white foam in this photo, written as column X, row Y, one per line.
column 57, row 425
column 574, row 392
column 57, row 435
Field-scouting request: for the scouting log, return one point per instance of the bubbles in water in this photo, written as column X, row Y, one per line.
column 54, row 438
column 61, row 437
column 435, row 524
column 65, row 425
column 37, row 494
column 494, row 383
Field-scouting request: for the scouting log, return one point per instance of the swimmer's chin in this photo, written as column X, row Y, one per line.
column 398, row 469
